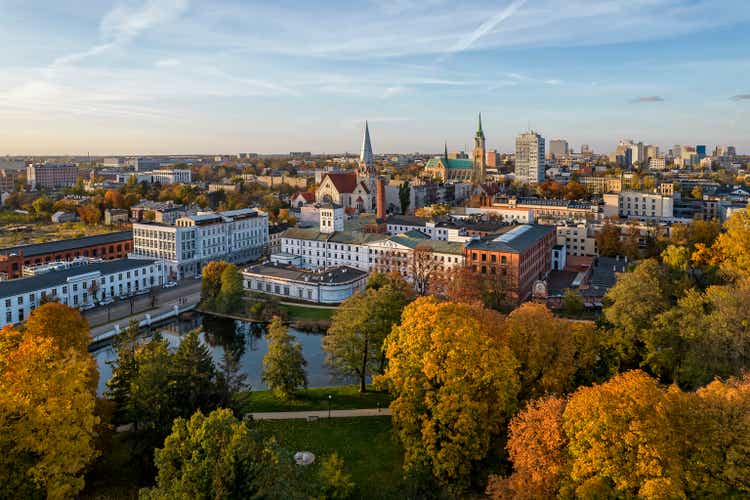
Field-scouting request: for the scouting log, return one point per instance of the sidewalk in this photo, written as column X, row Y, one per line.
column 316, row 414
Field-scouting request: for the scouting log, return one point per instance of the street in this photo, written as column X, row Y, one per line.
column 119, row 309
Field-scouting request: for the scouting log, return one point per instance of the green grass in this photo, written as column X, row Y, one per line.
column 370, row 451
column 344, row 398
column 302, row 312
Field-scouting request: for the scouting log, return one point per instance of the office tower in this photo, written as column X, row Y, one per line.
column 530, row 158
column 558, row 147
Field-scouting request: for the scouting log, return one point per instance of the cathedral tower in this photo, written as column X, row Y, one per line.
column 480, row 156
column 366, row 168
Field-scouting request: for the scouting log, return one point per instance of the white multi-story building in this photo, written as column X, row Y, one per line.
column 578, row 238
column 644, row 206
column 237, row 236
column 174, row 176
column 77, row 284
column 329, row 286
column 530, row 161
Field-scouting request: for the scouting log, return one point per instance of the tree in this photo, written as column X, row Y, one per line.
column 632, row 304
column 404, row 196
column 631, row 241
column 697, row 193
column 211, row 282
column 454, row 385
column 90, row 214
column 151, row 404
column 42, row 205
column 354, row 342
column 47, row 416
column 213, row 456
column 194, row 376
column 574, row 190
column 422, row 267
column 732, row 247
column 608, row 239
column 283, row 364
column 336, row 484
column 537, row 446
column 572, row 303
column 619, row 435
column 231, row 292
column 64, row 325
column 124, row 369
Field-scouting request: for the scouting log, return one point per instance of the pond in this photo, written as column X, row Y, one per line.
column 245, row 339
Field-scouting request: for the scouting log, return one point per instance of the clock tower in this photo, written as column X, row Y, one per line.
column 480, row 156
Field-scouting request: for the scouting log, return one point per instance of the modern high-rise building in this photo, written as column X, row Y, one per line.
column 51, row 175
column 585, row 149
column 558, row 147
column 530, row 161
column 700, row 150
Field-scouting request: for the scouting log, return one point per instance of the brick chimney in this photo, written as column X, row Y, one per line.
column 380, row 192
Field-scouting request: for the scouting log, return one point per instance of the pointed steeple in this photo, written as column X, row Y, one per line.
column 480, row 133
column 365, row 156
column 446, row 150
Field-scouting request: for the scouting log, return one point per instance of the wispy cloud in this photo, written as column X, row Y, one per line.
column 740, row 97
column 486, row 27
column 648, row 98
column 167, row 63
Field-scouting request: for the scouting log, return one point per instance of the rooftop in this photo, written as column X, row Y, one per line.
column 342, row 274
column 11, row 288
column 70, row 244
column 516, row 239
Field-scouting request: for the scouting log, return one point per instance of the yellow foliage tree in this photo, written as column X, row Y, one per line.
column 732, row 247
column 64, row 325
column 47, row 420
column 454, row 383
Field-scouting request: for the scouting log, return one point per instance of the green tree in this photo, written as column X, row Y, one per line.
column 336, row 484
column 572, row 302
column 124, row 369
column 211, row 282
column 42, row 205
column 194, row 376
column 283, row 364
column 231, row 291
column 211, row 457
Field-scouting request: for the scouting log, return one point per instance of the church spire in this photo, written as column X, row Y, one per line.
column 365, row 155
column 446, row 150
column 480, row 133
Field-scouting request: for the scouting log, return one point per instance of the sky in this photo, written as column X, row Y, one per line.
column 229, row 76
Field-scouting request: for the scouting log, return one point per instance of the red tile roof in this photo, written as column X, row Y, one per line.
column 309, row 197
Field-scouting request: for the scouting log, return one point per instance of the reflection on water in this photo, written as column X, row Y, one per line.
column 244, row 340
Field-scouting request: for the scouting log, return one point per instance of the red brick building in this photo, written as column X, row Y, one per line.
column 101, row 246
column 523, row 254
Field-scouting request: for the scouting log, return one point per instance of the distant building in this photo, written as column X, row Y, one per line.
column 114, row 216
column 345, row 190
column 61, row 216
column 326, row 286
column 163, row 212
column 300, row 155
column 171, row 176
column 7, row 181
column 644, row 206
column 51, row 175
column 657, row 163
column 530, row 160
column 76, row 285
column 558, row 147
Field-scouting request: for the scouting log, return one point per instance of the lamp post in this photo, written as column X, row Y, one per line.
column 329, row 405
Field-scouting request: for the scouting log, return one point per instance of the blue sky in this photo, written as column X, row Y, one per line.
column 190, row 76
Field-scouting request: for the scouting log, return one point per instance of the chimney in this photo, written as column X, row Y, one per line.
column 380, row 190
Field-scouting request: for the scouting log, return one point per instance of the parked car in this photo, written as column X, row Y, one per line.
column 142, row 292
column 170, row 284
column 106, row 302
column 86, row 307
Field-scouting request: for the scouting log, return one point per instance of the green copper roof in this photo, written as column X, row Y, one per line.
column 451, row 163
column 479, row 130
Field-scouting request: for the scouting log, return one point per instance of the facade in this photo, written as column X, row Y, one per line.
column 115, row 216
column 521, row 256
column 237, row 236
column 164, row 212
column 51, row 175
column 530, row 161
column 61, row 216
column 645, row 206
column 77, row 284
column 657, row 163
column 579, row 239
column 601, row 185
column 174, row 176
column 329, row 286
column 317, row 249
column 551, row 210
column 7, row 181
column 346, row 190
column 102, row 246
column 558, row 147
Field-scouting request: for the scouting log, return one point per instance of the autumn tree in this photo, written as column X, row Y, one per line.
column 537, row 447
column 47, row 406
column 608, row 239
column 335, row 483
column 211, row 281
column 454, row 384
column 231, row 291
column 90, row 214
column 732, row 247
column 422, row 266
column 213, row 456
column 283, row 364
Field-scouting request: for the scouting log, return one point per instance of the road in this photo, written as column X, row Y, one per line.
column 187, row 291
column 290, row 415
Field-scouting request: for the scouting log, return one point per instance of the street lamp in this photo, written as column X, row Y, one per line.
column 329, row 405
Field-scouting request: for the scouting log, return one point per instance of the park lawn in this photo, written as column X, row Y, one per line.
column 302, row 312
column 371, row 453
column 343, row 398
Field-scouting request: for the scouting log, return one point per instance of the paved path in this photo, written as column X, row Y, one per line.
column 315, row 414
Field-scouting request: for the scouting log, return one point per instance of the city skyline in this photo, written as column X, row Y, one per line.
column 179, row 76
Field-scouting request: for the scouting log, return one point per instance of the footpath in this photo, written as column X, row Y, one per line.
column 317, row 414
